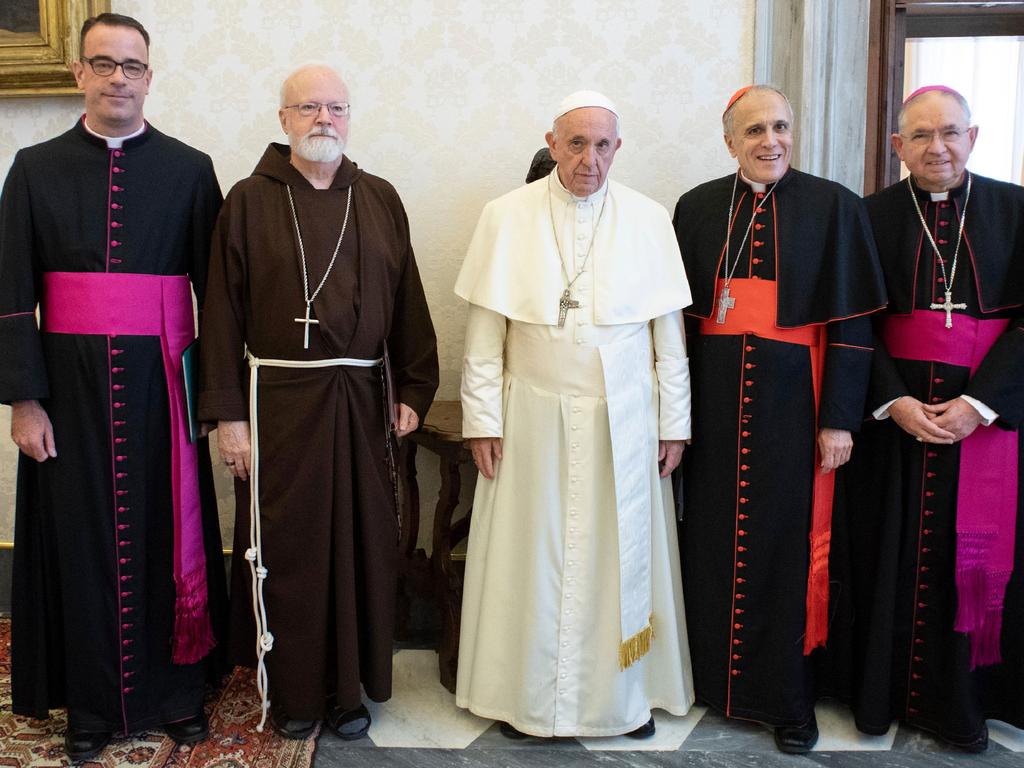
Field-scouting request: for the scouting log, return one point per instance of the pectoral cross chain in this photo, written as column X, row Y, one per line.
column 725, row 303
column 948, row 306
column 565, row 303
column 308, row 321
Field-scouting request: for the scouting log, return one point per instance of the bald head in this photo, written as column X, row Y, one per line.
column 311, row 75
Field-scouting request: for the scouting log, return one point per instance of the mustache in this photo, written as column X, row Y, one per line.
column 324, row 130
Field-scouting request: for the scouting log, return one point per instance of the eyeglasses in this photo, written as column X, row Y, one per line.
column 104, row 67
column 310, row 108
column 946, row 136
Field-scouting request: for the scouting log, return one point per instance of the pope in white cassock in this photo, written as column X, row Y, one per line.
column 576, row 403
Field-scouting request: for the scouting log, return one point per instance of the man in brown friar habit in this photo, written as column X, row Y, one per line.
column 118, row 572
column 939, row 555
column 783, row 271
column 312, row 282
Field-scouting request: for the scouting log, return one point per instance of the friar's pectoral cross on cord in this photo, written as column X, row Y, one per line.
column 565, row 303
column 308, row 321
column 725, row 303
column 948, row 306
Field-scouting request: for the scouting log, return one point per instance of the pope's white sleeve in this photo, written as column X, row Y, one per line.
column 673, row 372
column 482, row 368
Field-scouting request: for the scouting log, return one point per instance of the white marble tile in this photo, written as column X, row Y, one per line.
column 837, row 731
column 1006, row 735
column 669, row 736
column 421, row 713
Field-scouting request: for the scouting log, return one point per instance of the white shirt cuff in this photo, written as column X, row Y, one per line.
column 987, row 414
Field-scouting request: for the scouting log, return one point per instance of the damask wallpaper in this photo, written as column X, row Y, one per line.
column 450, row 101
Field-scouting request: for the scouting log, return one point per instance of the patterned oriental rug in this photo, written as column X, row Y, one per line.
column 233, row 742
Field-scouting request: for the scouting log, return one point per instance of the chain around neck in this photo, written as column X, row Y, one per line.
column 302, row 251
column 554, row 232
column 946, row 281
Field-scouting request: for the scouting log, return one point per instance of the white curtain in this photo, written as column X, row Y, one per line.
column 989, row 72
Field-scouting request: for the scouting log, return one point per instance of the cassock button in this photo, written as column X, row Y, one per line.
column 740, row 580
column 930, row 475
column 924, row 569
column 736, row 657
column 115, row 243
column 928, row 513
column 118, row 153
column 737, row 626
column 115, row 224
column 743, row 517
column 741, row 532
column 926, row 550
column 735, row 673
column 744, row 451
column 932, row 454
column 737, row 642
column 942, row 242
column 924, row 586
column 745, row 433
column 749, row 382
column 744, row 467
column 759, row 226
column 940, row 280
column 743, row 500
column 760, row 209
column 116, row 206
column 943, row 223
column 758, row 243
column 747, row 400
column 938, row 380
column 741, row 549
column 744, row 483
column 115, row 188
column 740, row 596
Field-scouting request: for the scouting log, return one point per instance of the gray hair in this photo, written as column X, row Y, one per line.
column 729, row 114
column 901, row 118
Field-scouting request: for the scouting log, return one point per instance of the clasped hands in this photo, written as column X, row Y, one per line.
column 943, row 423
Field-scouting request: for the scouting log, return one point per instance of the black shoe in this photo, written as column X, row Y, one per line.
column 84, row 745
column 188, row 731
column 975, row 746
column 291, row 729
column 797, row 740
column 645, row 731
column 510, row 732
column 350, row 725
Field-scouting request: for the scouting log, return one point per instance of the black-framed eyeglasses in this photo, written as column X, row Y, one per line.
column 310, row 108
column 104, row 67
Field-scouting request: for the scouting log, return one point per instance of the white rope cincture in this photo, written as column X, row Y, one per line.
column 254, row 555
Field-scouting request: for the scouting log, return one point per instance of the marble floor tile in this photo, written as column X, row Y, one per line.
column 421, row 713
column 493, row 739
column 669, row 735
column 715, row 733
column 837, row 731
column 1006, row 735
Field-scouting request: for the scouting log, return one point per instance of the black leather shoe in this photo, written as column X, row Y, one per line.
column 84, row 745
column 188, row 731
column 291, row 729
column 975, row 746
column 350, row 725
column 510, row 732
column 797, row 740
column 645, row 731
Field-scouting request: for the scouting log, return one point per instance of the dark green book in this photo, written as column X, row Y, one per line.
column 190, row 380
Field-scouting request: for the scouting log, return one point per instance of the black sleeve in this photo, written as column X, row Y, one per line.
column 999, row 380
column 886, row 382
column 23, row 372
column 847, row 370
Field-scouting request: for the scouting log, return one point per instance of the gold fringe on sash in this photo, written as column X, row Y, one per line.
column 636, row 647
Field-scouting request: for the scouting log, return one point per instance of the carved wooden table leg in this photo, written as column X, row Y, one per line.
column 447, row 580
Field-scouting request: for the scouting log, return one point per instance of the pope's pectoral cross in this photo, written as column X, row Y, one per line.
column 308, row 321
column 725, row 303
column 948, row 306
column 565, row 303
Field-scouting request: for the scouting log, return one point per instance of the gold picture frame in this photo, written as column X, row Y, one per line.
column 35, row 58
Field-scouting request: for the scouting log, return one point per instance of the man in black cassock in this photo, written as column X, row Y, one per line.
column 313, row 275
column 118, row 577
column 782, row 269
column 938, row 552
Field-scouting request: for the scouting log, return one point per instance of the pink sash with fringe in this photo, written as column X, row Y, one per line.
column 107, row 304
column 986, row 515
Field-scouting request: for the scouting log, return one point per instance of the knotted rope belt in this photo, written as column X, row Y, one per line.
column 254, row 554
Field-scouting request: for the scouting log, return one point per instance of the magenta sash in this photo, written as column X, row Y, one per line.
column 107, row 304
column 986, row 514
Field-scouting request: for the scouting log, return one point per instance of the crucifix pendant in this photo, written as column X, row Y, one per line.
column 308, row 321
column 565, row 303
column 725, row 303
column 948, row 306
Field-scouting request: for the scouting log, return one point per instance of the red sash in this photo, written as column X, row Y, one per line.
column 107, row 304
column 755, row 313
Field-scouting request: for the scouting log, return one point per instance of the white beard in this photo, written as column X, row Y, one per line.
column 315, row 149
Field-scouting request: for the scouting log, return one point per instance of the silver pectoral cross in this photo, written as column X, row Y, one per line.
column 948, row 306
column 565, row 303
column 725, row 303
column 308, row 321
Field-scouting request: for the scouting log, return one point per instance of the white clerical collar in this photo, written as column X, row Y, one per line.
column 114, row 142
column 566, row 196
column 938, row 197
column 754, row 185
